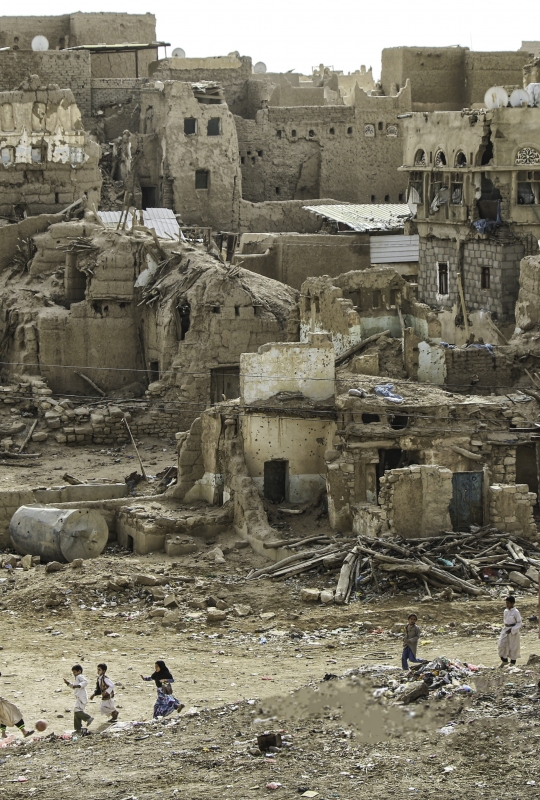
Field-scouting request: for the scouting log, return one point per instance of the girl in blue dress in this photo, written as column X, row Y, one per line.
column 166, row 702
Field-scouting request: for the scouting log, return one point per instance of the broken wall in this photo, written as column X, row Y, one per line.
column 528, row 303
column 511, row 509
column 416, row 500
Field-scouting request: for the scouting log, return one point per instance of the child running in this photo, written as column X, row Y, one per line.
column 509, row 640
column 105, row 688
column 165, row 703
column 410, row 642
column 79, row 685
column 11, row 716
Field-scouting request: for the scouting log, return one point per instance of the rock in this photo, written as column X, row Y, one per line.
column 327, row 596
column 413, row 691
column 241, row 610
column 240, row 544
column 532, row 574
column 146, row 580
column 426, row 599
column 197, row 602
column 211, row 601
column 40, row 436
column 123, row 581
column 54, row 600
column 158, row 593
column 36, row 560
column 180, row 546
column 217, row 555
column 519, row 579
column 222, row 605
column 26, row 562
column 310, row 595
column 157, row 612
column 10, row 561
column 267, row 615
column 215, row 615
column 170, row 601
column 54, row 566
column 77, row 563
column 171, row 618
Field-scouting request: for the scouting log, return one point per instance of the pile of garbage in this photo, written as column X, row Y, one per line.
column 442, row 677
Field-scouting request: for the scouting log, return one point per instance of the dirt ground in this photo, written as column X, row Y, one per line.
column 236, row 678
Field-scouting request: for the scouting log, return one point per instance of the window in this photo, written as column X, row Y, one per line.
column 392, row 131
column 214, row 126
column 182, row 319
column 416, row 187
column 420, row 159
column 312, row 133
column 149, row 197
column 485, row 278
column 349, row 131
column 376, row 300
column 293, row 132
column 37, row 154
column 278, row 190
column 76, row 155
column 154, row 371
column 437, row 182
column 440, row 158
column 8, row 156
column 528, row 188
column 260, row 153
column 202, row 177
column 380, row 126
column 442, row 269
column 216, row 309
column 400, row 197
column 278, row 134
column 332, row 131
column 460, row 160
column 528, row 155
column 369, row 130
column 387, row 198
column 456, row 189
column 242, row 159
column 367, row 419
column 190, row 126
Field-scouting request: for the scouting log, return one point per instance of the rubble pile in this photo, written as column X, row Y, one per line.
column 484, row 561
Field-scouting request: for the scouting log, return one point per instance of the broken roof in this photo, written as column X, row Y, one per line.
column 365, row 217
column 125, row 47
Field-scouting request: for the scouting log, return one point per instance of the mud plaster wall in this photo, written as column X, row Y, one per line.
column 503, row 261
column 528, row 304
column 291, row 258
column 511, row 509
column 231, row 72
column 164, row 113
column 288, row 367
column 301, row 442
column 71, row 70
column 449, row 78
column 349, row 153
column 416, row 500
column 280, row 216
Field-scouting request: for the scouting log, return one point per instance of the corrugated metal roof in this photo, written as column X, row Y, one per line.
column 367, row 216
column 393, row 249
column 162, row 220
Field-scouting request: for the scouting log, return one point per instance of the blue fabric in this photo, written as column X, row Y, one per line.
column 488, row 225
column 408, row 655
column 165, row 704
column 386, row 390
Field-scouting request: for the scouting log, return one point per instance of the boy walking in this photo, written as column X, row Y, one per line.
column 105, row 688
column 410, row 642
column 509, row 640
column 79, row 685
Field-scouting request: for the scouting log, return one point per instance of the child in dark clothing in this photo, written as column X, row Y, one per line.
column 410, row 642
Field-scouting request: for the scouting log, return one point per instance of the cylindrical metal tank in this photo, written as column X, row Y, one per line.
column 58, row 534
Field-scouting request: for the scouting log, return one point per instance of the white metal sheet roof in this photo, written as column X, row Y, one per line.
column 393, row 249
column 162, row 220
column 365, row 217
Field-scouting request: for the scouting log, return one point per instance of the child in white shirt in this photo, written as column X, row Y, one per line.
column 105, row 688
column 79, row 685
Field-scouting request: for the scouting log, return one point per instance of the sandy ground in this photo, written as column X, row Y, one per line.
column 239, row 675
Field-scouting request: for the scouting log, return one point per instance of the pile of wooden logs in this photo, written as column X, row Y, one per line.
column 464, row 563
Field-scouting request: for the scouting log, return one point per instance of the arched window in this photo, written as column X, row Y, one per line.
column 528, row 155
column 391, row 131
column 369, row 130
column 461, row 159
column 440, row 158
column 420, row 159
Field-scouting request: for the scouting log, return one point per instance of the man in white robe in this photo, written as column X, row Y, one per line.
column 509, row 640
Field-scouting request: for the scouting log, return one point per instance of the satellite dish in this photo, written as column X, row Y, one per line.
column 496, row 97
column 259, row 68
column 40, row 43
column 178, row 52
column 519, row 97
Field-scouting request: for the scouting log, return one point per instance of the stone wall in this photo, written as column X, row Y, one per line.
column 511, row 509
column 416, row 500
column 502, row 261
column 528, row 304
column 116, row 91
column 478, row 369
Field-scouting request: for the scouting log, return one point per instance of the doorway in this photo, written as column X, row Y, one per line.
column 149, row 197
column 526, row 469
column 224, row 384
column 388, row 459
column 275, row 480
column 466, row 507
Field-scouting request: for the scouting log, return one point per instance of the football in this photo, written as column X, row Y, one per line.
column 41, row 725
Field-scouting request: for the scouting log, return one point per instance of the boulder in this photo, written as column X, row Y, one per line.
column 241, row 610
column 40, row 436
column 146, row 580
column 157, row 612
column 77, row 563
column 54, row 566
column 413, row 691
column 266, row 616
column 532, row 574
column 26, row 562
column 217, row 555
column 10, row 561
column 327, row 596
column 518, row 579
column 171, row 618
column 158, row 593
column 534, row 660
column 310, row 595
column 215, row 615
column 170, row 601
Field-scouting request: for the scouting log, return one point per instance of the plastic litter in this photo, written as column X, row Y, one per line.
column 386, row 390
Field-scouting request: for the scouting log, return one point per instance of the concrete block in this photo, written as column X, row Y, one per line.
column 519, row 579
